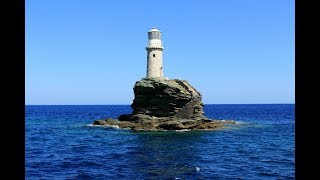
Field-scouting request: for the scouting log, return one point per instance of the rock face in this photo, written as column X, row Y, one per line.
column 143, row 122
column 167, row 98
column 162, row 104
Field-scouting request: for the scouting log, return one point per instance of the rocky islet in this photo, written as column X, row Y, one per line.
column 163, row 104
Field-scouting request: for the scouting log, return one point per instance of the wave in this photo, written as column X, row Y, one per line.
column 112, row 126
column 183, row 130
column 242, row 122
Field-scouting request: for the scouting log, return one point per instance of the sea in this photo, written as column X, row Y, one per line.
column 62, row 143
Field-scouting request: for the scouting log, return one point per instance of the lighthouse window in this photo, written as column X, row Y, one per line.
column 154, row 55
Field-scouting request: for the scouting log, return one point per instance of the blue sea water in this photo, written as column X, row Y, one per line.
column 60, row 144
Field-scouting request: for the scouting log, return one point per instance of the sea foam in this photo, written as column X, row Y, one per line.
column 112, row 126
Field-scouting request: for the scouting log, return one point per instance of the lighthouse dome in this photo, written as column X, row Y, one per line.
column 154, row 33
column 154, row 29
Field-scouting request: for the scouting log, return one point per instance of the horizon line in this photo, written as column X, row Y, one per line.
column 130, row 104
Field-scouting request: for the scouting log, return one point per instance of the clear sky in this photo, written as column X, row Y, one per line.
column 93, row 51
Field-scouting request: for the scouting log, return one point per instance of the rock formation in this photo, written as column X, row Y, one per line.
column 167, row 98
column 162, row 104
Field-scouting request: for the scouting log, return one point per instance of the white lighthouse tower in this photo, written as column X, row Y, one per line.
column 154, row 56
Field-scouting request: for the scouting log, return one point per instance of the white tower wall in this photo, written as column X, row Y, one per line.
column 154, row 56
column 154, row 62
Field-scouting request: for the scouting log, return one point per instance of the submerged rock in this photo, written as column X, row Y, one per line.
column 162, row 104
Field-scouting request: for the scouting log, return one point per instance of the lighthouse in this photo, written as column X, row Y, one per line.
column 154, row 54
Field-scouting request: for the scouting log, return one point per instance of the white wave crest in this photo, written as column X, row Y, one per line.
column 182, row 130
column 112, row 126
column 241, row 122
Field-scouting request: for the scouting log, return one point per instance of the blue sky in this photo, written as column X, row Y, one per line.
column 92, row 52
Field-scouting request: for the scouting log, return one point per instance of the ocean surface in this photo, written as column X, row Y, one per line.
column 61, row 143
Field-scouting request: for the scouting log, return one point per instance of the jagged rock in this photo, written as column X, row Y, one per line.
column 108, row 121
column 165, row 98
column 162, row 104
column 124, row 117
column 99, row 122
column 172, row 125
column 165, row 124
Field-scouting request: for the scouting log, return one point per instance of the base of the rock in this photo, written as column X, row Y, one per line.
column 143, row 122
